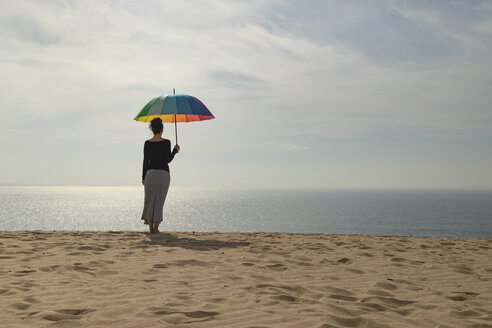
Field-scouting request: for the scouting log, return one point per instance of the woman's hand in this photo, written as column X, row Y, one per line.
column 177, row 148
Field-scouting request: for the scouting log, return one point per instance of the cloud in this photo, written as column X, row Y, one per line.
column 278, row 75
column 319, row 84
column 290, row 147
column 236, row 79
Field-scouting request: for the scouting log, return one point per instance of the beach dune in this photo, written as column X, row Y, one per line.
column 180, row 279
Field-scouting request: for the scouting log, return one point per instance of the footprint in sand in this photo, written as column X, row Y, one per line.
column 107, row 273
column 343, row 298
column 178, row 317
column 160, row 266
column 141, row 247
column 338, row 291
column 182, row 297
column 387, row 301
column 366, row 254
column 466, row 314
column 31, row 300
column 22, row 273
column 77, row 253
column 347, row 322
column 20, row 306
column 284, row 293
column 378, row 292
column 276, row 267
column 66, row 314
column 344, row 260
column 284, row 298
column 219, row 300
column 462, row 296
column 91, row 248
column 190, row 262
column 50, row 268
column 457, row 298
column 386, row 285
column 300, row 263
column 460, row 268
column 80, row 268
column 29, row 284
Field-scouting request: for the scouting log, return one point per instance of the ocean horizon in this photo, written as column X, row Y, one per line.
column 406, row 212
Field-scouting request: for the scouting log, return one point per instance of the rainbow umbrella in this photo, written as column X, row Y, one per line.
column 173, row 109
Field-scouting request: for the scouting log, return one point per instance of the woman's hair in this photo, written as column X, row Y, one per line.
column 156, row 125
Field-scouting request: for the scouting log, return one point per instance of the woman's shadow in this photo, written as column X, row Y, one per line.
column 169, row 240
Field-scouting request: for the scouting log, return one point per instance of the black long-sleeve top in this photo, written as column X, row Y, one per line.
column 157, row 155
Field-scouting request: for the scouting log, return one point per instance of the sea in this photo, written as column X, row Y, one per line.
column 443, row 213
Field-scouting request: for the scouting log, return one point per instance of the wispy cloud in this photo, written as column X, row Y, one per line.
column 231, row 79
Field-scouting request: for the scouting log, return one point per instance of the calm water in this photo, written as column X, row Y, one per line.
column 418, row 213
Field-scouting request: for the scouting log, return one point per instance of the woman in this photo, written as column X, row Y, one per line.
column 155, row 176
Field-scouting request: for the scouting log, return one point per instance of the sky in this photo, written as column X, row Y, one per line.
column 306, row 94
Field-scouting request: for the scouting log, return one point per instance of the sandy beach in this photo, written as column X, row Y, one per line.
column 181, row 279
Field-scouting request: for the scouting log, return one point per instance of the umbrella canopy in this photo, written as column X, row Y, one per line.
column 174, row 108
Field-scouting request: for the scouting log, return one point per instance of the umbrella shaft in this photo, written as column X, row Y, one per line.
column 175, row 123
column 176, row 128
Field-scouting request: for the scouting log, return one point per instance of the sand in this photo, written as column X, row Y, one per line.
column 133, row 279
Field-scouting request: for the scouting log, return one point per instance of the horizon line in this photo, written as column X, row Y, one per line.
column 471, row 188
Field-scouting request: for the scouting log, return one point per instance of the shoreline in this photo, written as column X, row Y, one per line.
column 252, row 279
column 239, row 232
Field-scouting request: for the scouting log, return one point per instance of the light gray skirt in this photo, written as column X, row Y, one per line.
column 156, row 185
